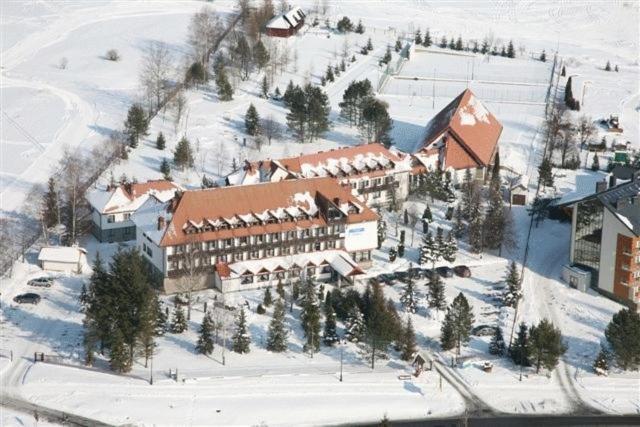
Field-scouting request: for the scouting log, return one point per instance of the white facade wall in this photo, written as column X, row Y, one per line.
column 611, row 227
column 119, row 221
column 67, row 267
column 158, row 255
column 361, row 236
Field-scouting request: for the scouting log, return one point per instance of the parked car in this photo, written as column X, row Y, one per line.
column 483, row 331
column 445, row 271
column 386, row 278
column 415, row 272
column 462, row 271
column 428, row 273
column 28, row 298
column 402, row 276
column 43, row 282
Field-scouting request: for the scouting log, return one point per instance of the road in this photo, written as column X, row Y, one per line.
column 522, row 421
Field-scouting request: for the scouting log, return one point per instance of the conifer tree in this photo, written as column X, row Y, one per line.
column 503, row 51
column 608, row 66
column 146, row 330
column 392, row 254
column 456, row 327
column 329, row 337
column 225, row 91
column 563, row 73
column 426, row 219
column 511, row 52
column 277, row 335
column 136, row 125
column 179, row 321
column 458, row 43
column 494, row 220
column 458, row 226
column 328, row 75
column 512, row 292
column 280, row 289
column 387, row 56
column 545, row 173
column 496, row 346
column 50, row 214
column 520, row 348
column 382, row 232
column 623, row 334
column 310, row 318
column 449, row 248
column 400, row 249
column 484, row 49
column 408, row 298
column 601, row 363
column 408, row 344
column 165, row 169
column 418, row 37
column 443, row 42
column 375, row 121
column 427, row 39
column 398, row 45
column 354, row 325
column 359, row 28
column 595, row 165
column 264, row 88
column 268, row 299
column 241, row 338
column 452, row 44
column 119, row 354
column 277, row 93
column 543, row 56
column 545, row 345
column 437, row 298
column 161, row 318
column 380, row 324
column 205, row 337
column 251, row 120
column 369, row 45
column 160, row 141
column 183, row 156
column 476, row 222
column 260, row 55
column 428, row 250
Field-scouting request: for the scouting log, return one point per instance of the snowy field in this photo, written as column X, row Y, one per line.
column 46, row 108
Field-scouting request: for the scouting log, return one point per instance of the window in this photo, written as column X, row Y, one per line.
column 291, row 234
column 322, row 231
column 306, row 232
column 325, row 269
column 254, row 254
column 275, row 237
column 270, row 252
column 588, row 235
column 300, row 248
column 316, row 246
column 228, row 242
column 263, row 277
column 246, row 279
column 286, row 250
column 279, row 275
column 377, row 194
column 331, row 244
column 311, row 271
column 244, row 240
column 111, row 218
column 127, row 216
column 237, row 256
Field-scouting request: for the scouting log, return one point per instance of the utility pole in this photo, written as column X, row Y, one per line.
column 341, row 351
column 151, row 371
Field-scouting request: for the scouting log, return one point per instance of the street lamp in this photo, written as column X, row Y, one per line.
column 342, row 344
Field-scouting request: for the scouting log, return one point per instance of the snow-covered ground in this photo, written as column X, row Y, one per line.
column 45, row 108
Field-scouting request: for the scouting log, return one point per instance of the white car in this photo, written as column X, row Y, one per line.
column 41, row 282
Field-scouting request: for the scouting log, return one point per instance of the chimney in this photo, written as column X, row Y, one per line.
column 336, row 201
column 161, row 223
column 601, row 186
column 612, row 181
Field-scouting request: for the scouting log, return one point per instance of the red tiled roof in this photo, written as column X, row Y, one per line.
column 135, row 190
column 228, row 202
column 473, row 129
column 320, row 158
column 223, row 269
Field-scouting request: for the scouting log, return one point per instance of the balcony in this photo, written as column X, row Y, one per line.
column 380, row 187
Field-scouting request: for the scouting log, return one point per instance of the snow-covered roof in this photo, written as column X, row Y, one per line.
column 62, row 254
column 146, row 218
column 129, row 197
column 339, row 260
column 289, row 20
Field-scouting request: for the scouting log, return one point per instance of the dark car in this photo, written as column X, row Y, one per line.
column 28, row 298
column 402, row 276
column 42, row 282
column 445, row 271
column 428, row 273
column 415, row 272
column 386, row 278
column 462, row 271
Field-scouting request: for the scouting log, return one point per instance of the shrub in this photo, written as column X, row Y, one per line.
column 112, row 55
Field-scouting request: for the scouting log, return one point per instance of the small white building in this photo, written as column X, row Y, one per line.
column 518, row 191
column 576, row 277
column 62, row 258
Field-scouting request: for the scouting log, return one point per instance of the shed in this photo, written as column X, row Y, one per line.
column 518, row 191
column 62, row 258
column 576, row 277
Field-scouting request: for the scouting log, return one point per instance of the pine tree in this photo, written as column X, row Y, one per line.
column 225, row 91
column 165, row 169
column 458, row 226
column 369, row 45
column 359, row 28
column 310, row 318
column 354, row 325
column 426, row 219
column 50, row 211
column 545, row 173
column 595, row 165
column 503, row 51
column 398, row 46
column 241, row 338
column 545, row 345
column 475, row 47
column 146, row 330
column 119, row 353
column 408, row 298
column 387, row 56
column 260, row 55
column 469, row 191
column 427, row 39
column 601, row 363
column 278, row 335
column 183, row 156
column 476, row 222
column 375, row 121
column 437, row 298
column 382, row 232
column 511, row 52
column 408, row 343
column 456, row 327
column 452, row 44
column 443, row 42
column 268, row 299
column 161, row 318
column 513, row 292
column 392, row 254
column 179, row 321
column 251, row 120
column 136, row 125
column 329, row 337
column 280, row 289
column 623, row 334
column 494, row 220
column 381, row 324
column 328, row 75
column 428, row 250
column 543, row 56
column 205, row 338
column 418, row 37
column 277, row 93
column 400, row 249
column 484, row 49
column 520, row 348
column 608, row 66
column 265, row 87
column 496, row 346
column 160, row 141
column 458, row 43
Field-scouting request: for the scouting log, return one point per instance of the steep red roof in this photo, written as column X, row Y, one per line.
column 474, row 130
column 134, row 190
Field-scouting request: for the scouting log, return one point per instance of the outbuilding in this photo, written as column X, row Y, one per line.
column 62, row 258
column 287, row 24
column 518, row 191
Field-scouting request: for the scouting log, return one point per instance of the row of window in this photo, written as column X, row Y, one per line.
column 259, row 254
column 365, row 183
column 112, row 218
column 293, row 273
column 261, row 238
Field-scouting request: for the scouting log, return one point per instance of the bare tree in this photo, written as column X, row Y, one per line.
column 271, row 129
column 157, row 65
column 325, row 7
column 73, row 184
column 178, row 106
column 567, row 144
column 414, row 216
column 64, row 62
column 258, row 141
column 204, row 29
column 555, row 122
column 193, row 269
column 586, row 130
